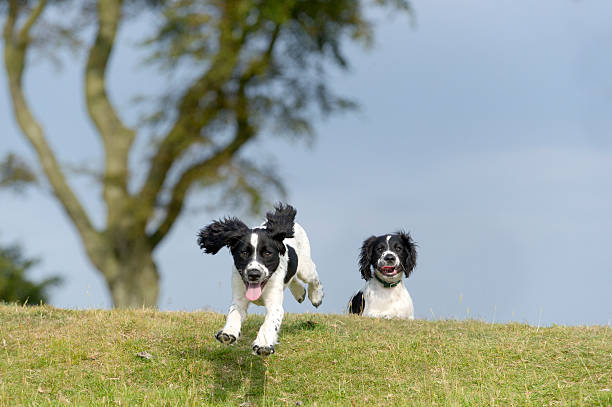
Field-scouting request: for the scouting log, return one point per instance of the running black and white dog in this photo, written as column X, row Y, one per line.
column 266, row 259
column 384, row 296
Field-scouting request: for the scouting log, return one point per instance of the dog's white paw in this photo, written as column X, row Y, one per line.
column 315, row 294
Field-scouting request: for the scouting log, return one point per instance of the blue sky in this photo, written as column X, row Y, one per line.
column 488, row 124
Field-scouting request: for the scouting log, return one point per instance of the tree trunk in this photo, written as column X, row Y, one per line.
column 134, row 283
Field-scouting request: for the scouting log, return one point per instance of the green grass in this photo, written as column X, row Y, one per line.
column 61, row 357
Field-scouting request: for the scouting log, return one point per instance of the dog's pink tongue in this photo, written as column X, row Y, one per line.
column 253, row 292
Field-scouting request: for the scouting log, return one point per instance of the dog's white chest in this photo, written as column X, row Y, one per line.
column 387, row 302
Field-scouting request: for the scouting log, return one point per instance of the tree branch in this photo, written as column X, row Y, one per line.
column 184, row 133
column 15, row 48
column 244, row 133
column 187, row 127
column 258, row 66
column 24, row 33
column 116, row 137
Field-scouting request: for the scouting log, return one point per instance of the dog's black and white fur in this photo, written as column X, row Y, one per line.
column 266, row 259
column 384, row 296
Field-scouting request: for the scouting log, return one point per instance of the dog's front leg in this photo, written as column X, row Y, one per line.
column 231, row 331
column 236, row 315
column 268, row 332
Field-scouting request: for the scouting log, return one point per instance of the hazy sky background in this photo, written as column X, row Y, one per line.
column 484, row 130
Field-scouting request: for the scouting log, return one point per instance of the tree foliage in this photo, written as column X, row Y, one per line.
column 256, row 67
column 15, row 173
column 14, row 283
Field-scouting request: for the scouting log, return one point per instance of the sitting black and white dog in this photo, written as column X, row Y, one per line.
column 266, row 259
column 384, row 296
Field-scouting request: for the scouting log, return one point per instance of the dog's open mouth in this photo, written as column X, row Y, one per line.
column 253, row 291
column 389, row 271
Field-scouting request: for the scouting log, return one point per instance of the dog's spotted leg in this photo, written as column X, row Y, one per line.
column 267, row 336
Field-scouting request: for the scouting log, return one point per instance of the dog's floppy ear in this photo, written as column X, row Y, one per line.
column 365, row 258
column 223, row 232
column 411, row 254
column 279, row 224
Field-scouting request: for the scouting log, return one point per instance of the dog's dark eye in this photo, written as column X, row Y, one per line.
column 398, row 248
column 379, row 250
column 267, row 253
column 244, row 253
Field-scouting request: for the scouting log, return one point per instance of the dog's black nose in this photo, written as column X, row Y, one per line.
column 253, row 274
column 389, row 258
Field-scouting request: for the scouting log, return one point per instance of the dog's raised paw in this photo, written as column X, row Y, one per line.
column 316, row 296
column 300, row 299
column 224, row 338
column 263, row 350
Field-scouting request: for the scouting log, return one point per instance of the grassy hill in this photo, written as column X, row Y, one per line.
column 59, row 357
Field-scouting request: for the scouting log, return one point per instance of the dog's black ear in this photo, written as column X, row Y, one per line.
column 279, row 224
column 365, row 258
column 223, row 232
column 411, row 254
